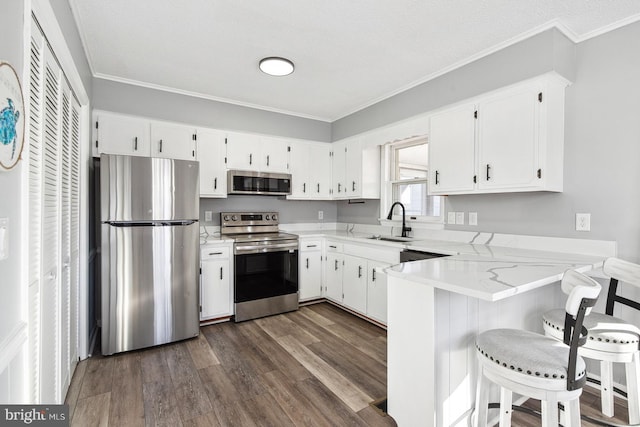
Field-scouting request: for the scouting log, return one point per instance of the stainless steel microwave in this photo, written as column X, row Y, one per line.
column 264, row 183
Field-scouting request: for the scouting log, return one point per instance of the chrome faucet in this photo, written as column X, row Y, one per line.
column 405, row 229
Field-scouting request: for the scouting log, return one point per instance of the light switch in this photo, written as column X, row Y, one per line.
column 208, row 217
column 451, row 218
column 460, row 218
column 473, row 218
column 4, row 238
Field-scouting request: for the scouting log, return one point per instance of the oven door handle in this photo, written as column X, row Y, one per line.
column 272, row 247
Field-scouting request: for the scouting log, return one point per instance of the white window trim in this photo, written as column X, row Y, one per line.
column 386, row 190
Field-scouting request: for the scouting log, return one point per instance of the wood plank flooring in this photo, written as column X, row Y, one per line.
column 318, row 366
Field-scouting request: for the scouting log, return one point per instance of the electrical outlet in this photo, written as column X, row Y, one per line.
column 320, row 215
column 460, row 218
column 451, row 218
column 583, row 222
column 208, row 216
column 473, row 218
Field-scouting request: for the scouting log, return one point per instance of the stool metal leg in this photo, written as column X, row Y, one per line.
column 633, row 387
column 506, row 397
column 606, row 387
column 482, row 399
column 549, row 413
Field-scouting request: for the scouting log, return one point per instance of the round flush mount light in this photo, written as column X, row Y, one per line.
column 276, row 66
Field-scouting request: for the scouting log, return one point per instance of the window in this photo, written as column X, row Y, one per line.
column 406, row 181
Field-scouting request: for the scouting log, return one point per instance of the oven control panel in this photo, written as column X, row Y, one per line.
column 235, row 219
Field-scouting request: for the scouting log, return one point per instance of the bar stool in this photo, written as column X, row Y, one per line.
column 535, row 365
column 610, row 339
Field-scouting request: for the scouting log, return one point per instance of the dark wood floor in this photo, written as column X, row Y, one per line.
column 318, row 366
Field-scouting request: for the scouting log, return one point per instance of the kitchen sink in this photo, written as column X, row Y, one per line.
column 390, row 239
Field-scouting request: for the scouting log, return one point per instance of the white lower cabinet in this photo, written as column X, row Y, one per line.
column 354, row 283
column 377, row 291
column 216, row 293
column 310, row 269
column 333, row 276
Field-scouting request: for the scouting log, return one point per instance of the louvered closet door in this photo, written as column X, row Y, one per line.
column 36, row 94
column 50, row 387
column 74, row 235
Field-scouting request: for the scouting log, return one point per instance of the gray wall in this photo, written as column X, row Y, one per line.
column 291, row 211
column 11, row 51
column 602, row 137
column 124, row 98
column 360, row 211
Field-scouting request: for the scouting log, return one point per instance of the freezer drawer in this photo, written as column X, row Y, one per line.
column 149, row 285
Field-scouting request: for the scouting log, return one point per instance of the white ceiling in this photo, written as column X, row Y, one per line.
column 348, row 53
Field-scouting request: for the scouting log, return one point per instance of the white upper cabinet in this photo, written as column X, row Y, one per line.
column 211, row 155
column 510, row 140
column 257, row 153
column 356, row 170
column 451, row 150
column 310, row 164
column 120, row 134
column 173, row 141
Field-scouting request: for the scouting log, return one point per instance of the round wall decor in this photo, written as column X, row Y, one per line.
column 11, row 117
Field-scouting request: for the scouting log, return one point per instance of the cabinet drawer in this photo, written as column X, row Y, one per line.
column 213, row 252
column 310, row 245
column 334, row 246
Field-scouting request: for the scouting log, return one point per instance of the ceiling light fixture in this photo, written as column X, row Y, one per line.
column 276, row 66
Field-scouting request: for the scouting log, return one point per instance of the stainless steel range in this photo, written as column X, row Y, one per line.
column 266, row 264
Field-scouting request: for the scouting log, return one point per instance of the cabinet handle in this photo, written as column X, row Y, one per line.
column 215, row 253
column 339, row 186
column 311, row 246
column 250, row 159
column 220, row 273
column 307, row 263
column 318, row 187
column 267, row 160
column 215, row 183
column 488, row 169
column 353, row 186
column 161, row 146
column 304, row 187
column 437, row 177
column 373, row 274
column 359, row 271
column 135, row 143
column 336, row 265
column 333, row 247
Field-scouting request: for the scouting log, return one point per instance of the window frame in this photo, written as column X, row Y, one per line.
column 389, row 169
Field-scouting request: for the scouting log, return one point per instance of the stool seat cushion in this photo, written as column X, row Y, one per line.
column 528, row 355
column 606, row 333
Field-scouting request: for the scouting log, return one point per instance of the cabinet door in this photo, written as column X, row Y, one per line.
column 173, row 141
column 310, row 269
column 354, row 283
column 451, row 150
column 242, row 151
column 274, row 155
column 333, row 276
column 118, row 134
column 353, row 169
column 300, row 163
column 508, row 140
column 215, row 289
column 213, row 173
column 377, row 291
column 319, row 170
column 339, row 170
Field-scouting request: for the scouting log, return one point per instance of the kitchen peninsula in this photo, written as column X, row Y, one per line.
column 436, row 308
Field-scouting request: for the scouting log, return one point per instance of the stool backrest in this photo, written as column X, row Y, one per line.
column 624, row 271
column 583, row 293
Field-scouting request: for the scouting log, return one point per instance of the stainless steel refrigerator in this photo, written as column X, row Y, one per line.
column 150, row 251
